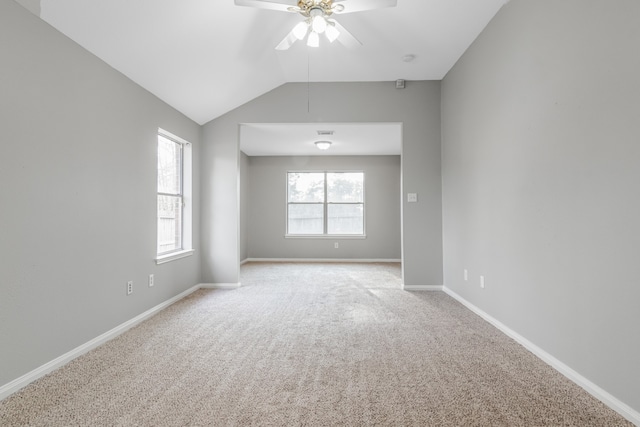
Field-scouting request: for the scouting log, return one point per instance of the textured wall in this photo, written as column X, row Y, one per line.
column 77, row 199
column 418, row 109
column 245, row 198
column 541, row 147
column 268, row 202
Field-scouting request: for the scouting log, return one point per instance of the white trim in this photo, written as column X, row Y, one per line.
column 429, row 288
column 344, row 260
column 597, row 392
column 220, row 285
column 174, row 256
column 326, row 236
column 15, row 385
column 174, row 138
column 244, row 261
column 187, row 199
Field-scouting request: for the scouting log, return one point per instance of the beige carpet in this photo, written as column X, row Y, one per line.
column 309, row 344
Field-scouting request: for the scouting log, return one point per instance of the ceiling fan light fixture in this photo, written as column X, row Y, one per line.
column 301, row 30
column 331, row 32
column 313, row 40
column 323, row 145
column 319, row 24
column 317, row 14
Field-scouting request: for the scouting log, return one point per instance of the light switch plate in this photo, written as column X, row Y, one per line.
column 412, row 197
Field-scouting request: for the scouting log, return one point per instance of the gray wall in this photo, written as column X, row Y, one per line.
column 244, row 206
column 417, row 107
column 541, row 165
column 267, row 208
column 77, row 195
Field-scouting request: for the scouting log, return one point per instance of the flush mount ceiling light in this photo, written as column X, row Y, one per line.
column 323, row 145
column 317, row 19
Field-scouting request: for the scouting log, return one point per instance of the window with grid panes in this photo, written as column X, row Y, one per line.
column 170, row 195
column 325, row 204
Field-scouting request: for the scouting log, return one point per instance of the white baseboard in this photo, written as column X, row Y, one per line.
column 15, row 385
column 219, row 285
column 351, row 260
column 430, row 288
column 597, row 392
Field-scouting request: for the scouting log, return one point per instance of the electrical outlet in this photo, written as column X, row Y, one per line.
column 466, row 275
column 336, row 245
column 150, row 280
column 129, row 287
column 482, row 282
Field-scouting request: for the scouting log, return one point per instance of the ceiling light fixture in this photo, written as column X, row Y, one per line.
column 313, row 40
column 300, row 31
column 317, row 18
column 318, row 21
column 331, row 32
column 323, row 145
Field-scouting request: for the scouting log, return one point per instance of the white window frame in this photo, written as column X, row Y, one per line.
column 187, row 202
column 325, row 204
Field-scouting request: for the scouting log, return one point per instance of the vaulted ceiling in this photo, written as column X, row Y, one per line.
column 207, row 57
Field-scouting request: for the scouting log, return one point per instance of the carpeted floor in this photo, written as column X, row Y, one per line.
column 309, row 344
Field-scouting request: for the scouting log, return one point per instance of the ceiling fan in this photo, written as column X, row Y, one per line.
column 318, row 18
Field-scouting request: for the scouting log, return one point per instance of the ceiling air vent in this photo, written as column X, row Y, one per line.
column 325, row 132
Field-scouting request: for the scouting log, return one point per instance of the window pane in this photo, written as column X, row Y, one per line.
column 305, row 187
column 306, row 219
column 345, row 187
column 169, row 166
column 345, row 219
column 169, row 223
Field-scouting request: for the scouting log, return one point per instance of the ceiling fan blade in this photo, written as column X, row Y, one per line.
column 350, row 6
column 279, row 5
column 346, row 38
column 287, row 42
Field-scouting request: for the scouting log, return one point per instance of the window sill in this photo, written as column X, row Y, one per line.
column 325, row 236
column 161, row 259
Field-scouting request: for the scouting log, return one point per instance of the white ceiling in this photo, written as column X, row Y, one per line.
column 206, row 57
column 348, row 139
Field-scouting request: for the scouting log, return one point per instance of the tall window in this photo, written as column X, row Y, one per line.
column 170, row 195
column 325, row 203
